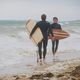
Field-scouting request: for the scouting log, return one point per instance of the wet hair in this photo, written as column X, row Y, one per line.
column 43, row 17
column 55, row 18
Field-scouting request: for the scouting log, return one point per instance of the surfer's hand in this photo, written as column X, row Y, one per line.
column 50, row 36
column 52, row 39
column 30, row 37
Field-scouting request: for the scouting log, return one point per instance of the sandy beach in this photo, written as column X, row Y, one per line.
column 66, row 70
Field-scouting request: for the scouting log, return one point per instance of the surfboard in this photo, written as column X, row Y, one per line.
column 59, row 34
column 37, row 36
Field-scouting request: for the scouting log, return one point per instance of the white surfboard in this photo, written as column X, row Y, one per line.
column 37, row 36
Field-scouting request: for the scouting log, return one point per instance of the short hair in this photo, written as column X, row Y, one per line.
column 55, row 18
column 43, row 17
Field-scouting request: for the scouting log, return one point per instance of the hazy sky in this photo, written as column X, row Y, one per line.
column 25, row 9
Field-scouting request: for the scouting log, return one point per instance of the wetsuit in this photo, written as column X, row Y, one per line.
column 56, row 42
column 45, row 28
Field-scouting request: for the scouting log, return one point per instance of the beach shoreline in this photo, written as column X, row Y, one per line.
column 56, row 71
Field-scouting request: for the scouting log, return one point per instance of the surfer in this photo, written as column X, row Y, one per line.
column 55, row 43
column 45, row 28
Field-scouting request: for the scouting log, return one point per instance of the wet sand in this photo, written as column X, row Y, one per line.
column 57, row 70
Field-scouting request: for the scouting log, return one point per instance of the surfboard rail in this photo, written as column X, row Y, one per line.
column 37, row 36
column 59, row 34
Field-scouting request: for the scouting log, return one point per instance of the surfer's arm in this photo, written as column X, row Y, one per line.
column 50, row 31
column 33, row 30
column 60, row 27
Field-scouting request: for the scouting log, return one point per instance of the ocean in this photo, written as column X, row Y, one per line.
column 17, row 48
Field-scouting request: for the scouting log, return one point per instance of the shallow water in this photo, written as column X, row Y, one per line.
column 18, row 53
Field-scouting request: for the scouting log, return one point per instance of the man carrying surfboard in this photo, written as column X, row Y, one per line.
column 44, row 27
column 55, row 43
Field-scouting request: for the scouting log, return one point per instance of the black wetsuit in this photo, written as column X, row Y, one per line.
column 56, row 42
column 45, row 28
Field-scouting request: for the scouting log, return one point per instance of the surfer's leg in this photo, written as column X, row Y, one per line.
column 40, row 50
column 57, row 43
column 53, row 48
column 45, row 48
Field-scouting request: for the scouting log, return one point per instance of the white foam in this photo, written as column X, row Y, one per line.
column 14, row 49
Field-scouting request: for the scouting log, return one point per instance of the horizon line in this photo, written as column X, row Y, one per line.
column 34, row 19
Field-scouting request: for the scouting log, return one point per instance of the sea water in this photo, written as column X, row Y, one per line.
column 17, row 48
